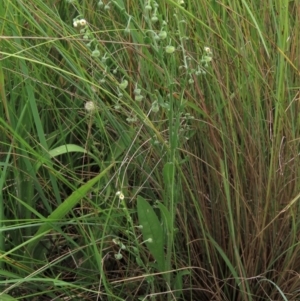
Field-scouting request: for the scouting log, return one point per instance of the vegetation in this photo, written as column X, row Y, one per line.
column 149, row 150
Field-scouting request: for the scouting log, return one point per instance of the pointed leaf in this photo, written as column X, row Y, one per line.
column 65, row 207
column 152, row 230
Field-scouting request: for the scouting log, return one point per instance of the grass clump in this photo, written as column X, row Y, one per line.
column 149, row 150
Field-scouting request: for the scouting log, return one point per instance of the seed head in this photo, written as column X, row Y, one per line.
column 90, row 106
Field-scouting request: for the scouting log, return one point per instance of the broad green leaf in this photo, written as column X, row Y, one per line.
column 65, row 207
column 152, row 230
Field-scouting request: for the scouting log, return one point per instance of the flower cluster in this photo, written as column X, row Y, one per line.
column 120, row 195
column 207, row 56
column 81, row 22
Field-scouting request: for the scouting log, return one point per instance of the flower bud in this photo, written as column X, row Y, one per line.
column 96, row 53
column 154, row 19
column 162, row 35
column 170, row 49
column 123, row 85
column 138, row 97
column 137, row 91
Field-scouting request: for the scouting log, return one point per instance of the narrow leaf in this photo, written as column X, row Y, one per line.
column 64, row 149
column 168, row 173
column 65, row 207
column 166, row 216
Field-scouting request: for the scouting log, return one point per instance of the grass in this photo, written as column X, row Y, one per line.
column 149, row 151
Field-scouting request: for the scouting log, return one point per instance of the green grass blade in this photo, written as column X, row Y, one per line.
column 66, row 206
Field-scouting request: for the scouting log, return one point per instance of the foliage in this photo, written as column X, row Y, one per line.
column 149, row 150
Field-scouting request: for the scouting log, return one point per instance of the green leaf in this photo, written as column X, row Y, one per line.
column 168, row 173
column 152, row 229
column 178, row 282
column 5, row 297
column 166, row 216
column 64, row 149
column 64, row 208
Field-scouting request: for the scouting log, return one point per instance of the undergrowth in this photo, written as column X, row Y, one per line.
column 149, row 150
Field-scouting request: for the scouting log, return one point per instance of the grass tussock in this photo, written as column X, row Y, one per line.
column 149, row 150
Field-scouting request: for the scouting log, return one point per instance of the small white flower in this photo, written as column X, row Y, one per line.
column 75, row 23
column 90, row 106
column 207, row 50
column 120, row 195
column 82, row 22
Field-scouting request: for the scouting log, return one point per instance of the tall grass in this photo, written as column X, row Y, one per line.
column 149, row 151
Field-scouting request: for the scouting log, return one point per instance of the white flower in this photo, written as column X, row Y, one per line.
column 90, row 106
column 75, row 23
column 120, row 195
column 82, row 22
column 207, row 50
